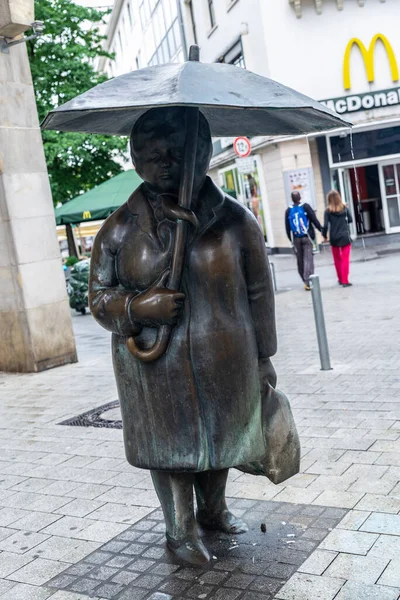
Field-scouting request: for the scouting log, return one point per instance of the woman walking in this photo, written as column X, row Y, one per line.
column 336, row 222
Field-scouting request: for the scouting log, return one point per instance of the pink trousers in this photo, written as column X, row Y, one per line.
column 341, row 257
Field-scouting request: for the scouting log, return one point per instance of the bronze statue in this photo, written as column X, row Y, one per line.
column 197, row 410
column 180, row 276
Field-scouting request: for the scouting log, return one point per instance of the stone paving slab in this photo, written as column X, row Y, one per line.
column 256, row 564
column 56, row 480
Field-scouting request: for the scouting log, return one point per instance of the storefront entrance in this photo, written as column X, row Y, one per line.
column 365, row 168
column 361, row 190
column 390, row 184
column 372, row 193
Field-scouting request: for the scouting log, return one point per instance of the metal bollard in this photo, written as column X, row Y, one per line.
column 320, row 323
column 272, row 266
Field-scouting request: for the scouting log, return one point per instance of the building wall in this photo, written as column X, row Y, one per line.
column 35, row 322
column 271, row 160
column 308, row 53
column 143, row 33
column 279, row 45
column 278, row 158
column 124, row 38
column 234, row 20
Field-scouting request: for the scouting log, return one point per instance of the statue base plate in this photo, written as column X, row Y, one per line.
column 136, row 565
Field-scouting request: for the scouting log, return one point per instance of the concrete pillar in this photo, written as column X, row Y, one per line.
column 287, row 156
column 319, row 187
column 272, row 163
column 35, row 322
column 16, row 17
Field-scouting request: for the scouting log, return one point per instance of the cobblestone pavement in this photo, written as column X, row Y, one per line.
column 66, row 491
column 253, row 566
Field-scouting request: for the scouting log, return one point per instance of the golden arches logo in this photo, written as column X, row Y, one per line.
column 368, row 57
column 86, row 214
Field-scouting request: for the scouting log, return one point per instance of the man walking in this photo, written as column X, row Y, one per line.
column 300, row 220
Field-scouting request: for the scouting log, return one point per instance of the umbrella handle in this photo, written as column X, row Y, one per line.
column 157, row 350
column 178, row 254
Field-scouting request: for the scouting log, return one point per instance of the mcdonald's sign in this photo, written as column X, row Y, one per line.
column 86, row 214
column 369, row 59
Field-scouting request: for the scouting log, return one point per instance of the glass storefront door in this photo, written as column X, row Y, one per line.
column 390, row 183
column 342, row 184
column 373, row 210
column 245, row 187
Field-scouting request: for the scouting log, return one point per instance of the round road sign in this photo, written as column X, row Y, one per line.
column 242, row 146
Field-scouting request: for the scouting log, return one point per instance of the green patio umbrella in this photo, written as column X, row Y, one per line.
column 99, row 202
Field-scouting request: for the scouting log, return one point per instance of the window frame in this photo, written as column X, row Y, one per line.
column 211, row 14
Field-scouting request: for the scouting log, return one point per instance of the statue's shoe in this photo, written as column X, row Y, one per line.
column 224, row 521
column 191, row 550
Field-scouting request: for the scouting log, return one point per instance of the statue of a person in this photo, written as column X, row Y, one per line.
column 197, row 411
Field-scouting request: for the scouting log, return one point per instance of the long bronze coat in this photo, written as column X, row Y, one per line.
column 199, row 406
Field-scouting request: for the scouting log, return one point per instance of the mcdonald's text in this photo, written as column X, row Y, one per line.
column 368, row 101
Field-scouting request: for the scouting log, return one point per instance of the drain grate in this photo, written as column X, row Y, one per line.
column 95, row 417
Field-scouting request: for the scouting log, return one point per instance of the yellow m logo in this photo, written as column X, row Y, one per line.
column 368, row 56
column 86, row 214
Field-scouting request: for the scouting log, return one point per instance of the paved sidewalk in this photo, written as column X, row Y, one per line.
column 65, row 491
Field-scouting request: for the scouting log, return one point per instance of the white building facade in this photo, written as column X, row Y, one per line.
column 143, row 33
column 343, row 52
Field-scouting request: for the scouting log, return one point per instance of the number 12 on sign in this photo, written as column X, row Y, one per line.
column 242, row 146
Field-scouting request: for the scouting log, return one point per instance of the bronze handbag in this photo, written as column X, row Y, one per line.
column 282, row 444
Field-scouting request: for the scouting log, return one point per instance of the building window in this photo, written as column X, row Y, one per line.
column 234, row 56
column 211, row 13
column 160, row 25
column 167, row 36
column 365, row 144
column 169, row 12
column 145, row 12
column 246, row 189
column 239, row 61
column 147, row 8
column 192, row 19
column 125, row 29
column 128, row 8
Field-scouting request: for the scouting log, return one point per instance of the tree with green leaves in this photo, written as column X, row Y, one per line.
column 62, row 67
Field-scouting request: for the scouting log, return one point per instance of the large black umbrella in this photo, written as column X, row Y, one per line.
column 233, row 100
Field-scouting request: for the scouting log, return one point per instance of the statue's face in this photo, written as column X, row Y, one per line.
column 159, row 162
column 157, row 147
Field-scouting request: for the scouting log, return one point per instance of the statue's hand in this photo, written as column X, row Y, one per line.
column 157, row 305
column 267, row 374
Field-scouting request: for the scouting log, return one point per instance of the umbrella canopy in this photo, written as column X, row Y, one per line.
column 99, row 202
column 233, row 100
